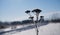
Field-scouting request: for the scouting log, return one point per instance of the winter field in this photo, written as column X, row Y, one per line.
column 49, row 29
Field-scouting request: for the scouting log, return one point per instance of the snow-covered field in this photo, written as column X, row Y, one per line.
column 49, row 29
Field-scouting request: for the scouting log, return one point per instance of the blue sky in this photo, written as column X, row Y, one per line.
column 13, row 10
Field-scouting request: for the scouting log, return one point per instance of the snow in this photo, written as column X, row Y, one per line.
column 27, row 32
column 50, row 29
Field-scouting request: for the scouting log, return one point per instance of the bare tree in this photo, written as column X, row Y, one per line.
column 31, row 18
column 28, row 12
column 37, row 11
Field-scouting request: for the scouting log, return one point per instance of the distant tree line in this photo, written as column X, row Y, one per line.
column 55, row 17
column 55, row 20
column 24, row 22
column 7, row 24
column 4, row 24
